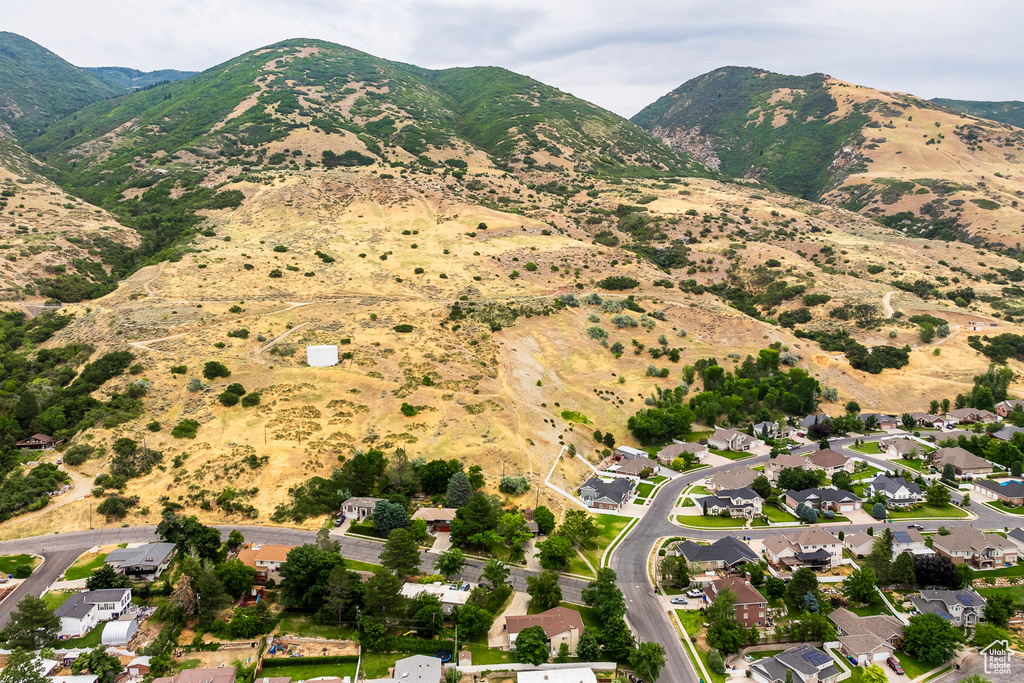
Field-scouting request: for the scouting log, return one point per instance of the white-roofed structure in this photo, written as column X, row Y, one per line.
column 118, row 632
column 557, row 676
column 321, row 356
column 450, row 596
column 80, row 678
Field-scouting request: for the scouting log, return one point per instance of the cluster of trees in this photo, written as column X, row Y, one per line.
column 909, row 570
column 872, row 361
column 577, row 531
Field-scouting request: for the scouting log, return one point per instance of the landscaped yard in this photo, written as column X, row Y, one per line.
column 299, row 624
column 916, row 465
column 871, row 610
column 687, row 502
column 1015, row 570
column 912, row 666
column 694, row 490
column 870, row 448
column 376, row 665
column 644, row 490
column 303, row 672
column 608, row 527
column 84, row 566
column 711, row 522
column 926, row 510
column 485, row 655
column 658, row 479
column 9, row 562
column 703, row 654
column 777, row 514
column 691, row 619
column 357, row 566
column 1015, row 592
column 55, row 599
column 868, row 473
column 998, row 505
column 89, row 640
column 733, row 455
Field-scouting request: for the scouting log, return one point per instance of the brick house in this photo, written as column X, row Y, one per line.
column 964, row 543
column 751, row 606
column 1011, row 492
column 1004, row 408
column 602, row 494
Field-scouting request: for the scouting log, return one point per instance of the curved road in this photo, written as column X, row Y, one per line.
column 647, row 615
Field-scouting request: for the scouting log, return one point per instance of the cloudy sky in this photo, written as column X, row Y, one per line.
column 621, row 55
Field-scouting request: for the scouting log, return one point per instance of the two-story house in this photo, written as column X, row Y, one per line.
column 602, row 494
column 80, row 613
column 830, row 462
column 811, row 547
column 833, row 499
column 867, row 639
column 801, row 664
column 738, row 502
column 785, row 461
column 772, row 430
column 726, row 554
column 733, row 478
column 962, row 607
column 964, row 543
column 1004, row 408
column 898, row 491
column 902, row 447
column 970, row 416
column 751, row 606
column 732, row 440
column 909, row 541
column 677, row 450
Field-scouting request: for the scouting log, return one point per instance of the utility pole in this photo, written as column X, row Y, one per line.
column 90, row 514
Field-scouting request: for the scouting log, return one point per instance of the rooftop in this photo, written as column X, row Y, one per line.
column 827, row 457
column 554, row 621
column 148, row 555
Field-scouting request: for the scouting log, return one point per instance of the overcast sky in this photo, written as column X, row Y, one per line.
column 621, row 55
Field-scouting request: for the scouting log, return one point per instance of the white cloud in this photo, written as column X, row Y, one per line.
column 619, row 55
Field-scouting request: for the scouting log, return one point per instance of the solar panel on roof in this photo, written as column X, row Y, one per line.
column 965, row 598
column 901, row 537
column 816, row 658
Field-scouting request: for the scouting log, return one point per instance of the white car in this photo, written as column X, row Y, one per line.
column 694, row 593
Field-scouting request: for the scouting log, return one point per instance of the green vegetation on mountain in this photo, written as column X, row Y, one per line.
column 787, row 138
column 38, row 87
column 1011, row 112
column 124, row 79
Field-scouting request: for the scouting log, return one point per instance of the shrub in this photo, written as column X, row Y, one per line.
column 236, row 389
column 153, row 426
column 186, row 429
column 239, row 334
column 402, row 328
column 228, row 399
column 179, row 369
column 409, row 410
column 135, row 369
column 248, row 266
column 280, row 248
column 618, row 282
column 715, row 662
column 276, row 272
column 250, row 400
column 236, row 309
column 195, row 385
column 530, row 266
column 22, row 571
column 596, row 332
column 213, row 370
column 514, row 484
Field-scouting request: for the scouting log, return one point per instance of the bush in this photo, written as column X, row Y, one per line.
column 236, row 389
column 280, row 248
column 186, row 429
column 276, row 272
column 78, row 454
column 715, row 662
column 239, row 334
column 213, row 370
column 514, row 484
column 22, row 571
column 250, row 400
column 618, row 282
column 179, row 369
column 153, row 426
column 195, row 385
column 228, row 399
column 409, row 410
column 402, row 328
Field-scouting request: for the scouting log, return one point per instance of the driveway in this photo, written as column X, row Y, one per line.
column 497, row 636
column 442, row 542
column 54, row 563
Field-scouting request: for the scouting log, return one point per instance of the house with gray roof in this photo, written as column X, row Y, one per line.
column 142, row 563
column 1017, row 536
column 1006, row 432
column 629, row 453
column 359, row 507
column 811, row 420
column 902, row 447
column 80, row 613
column 807, row 663
column 883, row 422
column 810, row 547
column 772, row 430
column 909, row 541
column 738, row 502
column 971, row 415
column 833, row 499
column 727, row 553
column 602, row 494
column 1010, row 491
column 961, row 607
column 898, row 491
column 869, row 640
column 965, row 544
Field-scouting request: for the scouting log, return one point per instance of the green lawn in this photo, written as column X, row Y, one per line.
column 875, row 608
column 357, row 566
column 89, row 640
column 1016, row 592
column 733, row 455
column 715, row 678
column 578, row 566
column 998, row 505
column 485, row 655
column 759, row 468
column 84, row 567
column 916, row 465
column 644, row 490
column 912, row 666
column 364, row 530
column 926, row 510
column 710, row 522
column 870, row 448
column 299, row 624
column 376, row 665
column 694, row 437
column 869, row 473
column 306, row 671
column 777, row 514
column 9, row 562
column 759, row 522
column 1015, row 570
column 658, row 479
column 691, row 619
column 608, row 527
column 687, row 502
column 698, row 489
column 54, row 600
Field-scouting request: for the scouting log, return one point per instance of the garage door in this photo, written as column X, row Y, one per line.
column 880, row 656
column 846, row 508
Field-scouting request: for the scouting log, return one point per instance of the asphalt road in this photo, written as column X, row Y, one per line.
column 54, row 562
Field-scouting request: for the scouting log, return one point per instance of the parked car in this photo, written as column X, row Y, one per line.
column 894, row 664
column 694, row 593
column 915, row 526
column 678, row 601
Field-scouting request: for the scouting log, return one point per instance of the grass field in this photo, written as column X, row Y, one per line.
column 875, row 608
column 869, row 448
column 54, row 600
column 376, row 665
column 916, row 465
column 691, row 619
column 912, row 666
column 869, row 473
column 932, row 511
column 299, row 624
column 356, row 565
column 998, row 505
column 84, row 566
column 306, row 671
column 89, row 640
column 9, row 562
column 710, row 522
column 608, row 527
column 1016, row 592
column 733, row 455
column 644, row 490
column 777, row 514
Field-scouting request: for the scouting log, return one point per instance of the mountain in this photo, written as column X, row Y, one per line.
column 911, row 164
column 125, row 79
column 1011, row 112
column 37, row 87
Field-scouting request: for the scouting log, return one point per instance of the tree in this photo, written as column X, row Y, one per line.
column 190, row 534
column 555, row 552
column 873, row 674
column 902, row 570
column 804, row 581
column 563, row 653
column 938, row 495
column 761, row 486
column 579, row 527
column 97, row 662
column 935, row 570
column 878, row 511
column 474, row 519
column 105, row 577
column 544, row 590
column 949, row 472
column 31, row 625
column 360, row 473
column 617, row 640
column 496, row 572
column 860, row 585
column 235, row 539
column 998, row 610
column 532, row 646
column 401, row 554
column 647, row 660
column 810, row 602
column 22, row 667
column 434, row 476
column 604, row 596
column 725, row 633
column 211, row 597
column 382, row 596
column 545, row 520
column 964, row 575
column 513, row 530
column 986, row 634
column 450, row 562
column 427, row 614
column 588, row 649
column 343, row 598
column 774, row 587
column 388, row 516
column 304, row 575
column 674, row 572
column 236, row 576
column 460, row 490
column 799, row 479
column 931, row 639
column 474, row 621
column 213, row 370
column 908, row 422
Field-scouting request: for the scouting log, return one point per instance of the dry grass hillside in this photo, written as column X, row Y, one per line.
column 491, row 380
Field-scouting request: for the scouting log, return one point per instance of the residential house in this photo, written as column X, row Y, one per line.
column 811, row 547
column 773, row 430
column 806, row 663
column 962, row 607
column 224, row 674
column 145, row 562
column 359, row 507
column 926, row 420
column 38, row 442
column 964, row 462
column 450, row 595
column 636, row 467
column 602, row 494
column 882, row 422
column 574, row 675
column 902, row 448
column 80, row 613
column 738, row 502
column 734, row 478
column 1004, row 408
column 418, row 669
column 1006, row 432
column 898, row 491
column 964, row 543
column 836, row 500
column 676, row 450
column 811, row 420
column 629, row 453
column 732, row 440
column 1017, row 536
column 437, row 519
column 560, row 624
column 265, row 559
column 909, row 541
column 139, row 666
column 868, row 640
column 727, row 553
column 1010, row 492
column 859, row 543
column 751, row 606
column 785, row 461
column 830, row 462
column 970, row 416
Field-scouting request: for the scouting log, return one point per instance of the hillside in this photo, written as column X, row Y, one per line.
column 37, row 87
column 129, row 80
column 1011, row 112
column 914, row 165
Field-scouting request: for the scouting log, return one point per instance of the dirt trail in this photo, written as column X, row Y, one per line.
column 145, row 285
column 886, row 305
column 270, row 343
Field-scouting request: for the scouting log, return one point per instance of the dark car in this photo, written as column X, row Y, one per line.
column 894, row 664
column 915, row 526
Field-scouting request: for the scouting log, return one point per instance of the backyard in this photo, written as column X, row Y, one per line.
column 300, row 624
column 777, row 514
column 916, row 465
column 307, row 671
